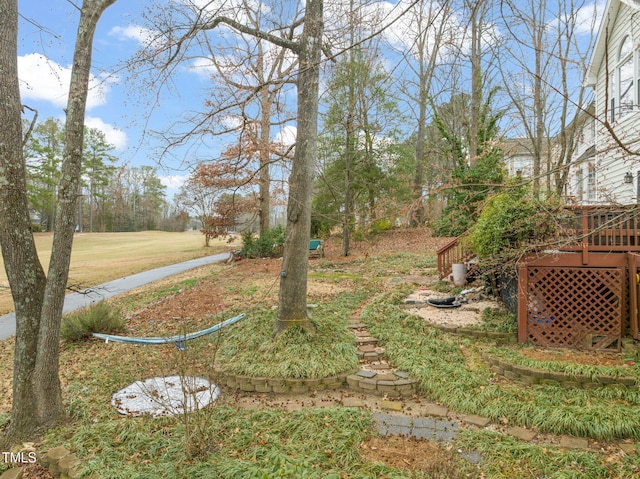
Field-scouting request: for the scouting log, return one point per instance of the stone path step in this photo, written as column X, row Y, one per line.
column 419, row 427
column 377, row 376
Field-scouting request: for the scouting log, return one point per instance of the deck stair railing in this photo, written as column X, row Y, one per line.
column 452, row 253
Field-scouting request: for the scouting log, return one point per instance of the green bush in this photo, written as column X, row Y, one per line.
column 510, row 219
column 101, row 317
column 268, row 245
column 381, row 226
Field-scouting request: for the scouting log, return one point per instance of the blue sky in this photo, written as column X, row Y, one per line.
column 119, row 108
column 123, row 109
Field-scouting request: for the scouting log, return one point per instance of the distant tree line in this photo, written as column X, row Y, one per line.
column 110, row 197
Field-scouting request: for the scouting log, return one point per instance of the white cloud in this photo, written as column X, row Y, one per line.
column 43, row 79
column 287, row 136
column 144, row 36
column 588, row 17
column 114, row 136
column 202, row 67
column 173, row 182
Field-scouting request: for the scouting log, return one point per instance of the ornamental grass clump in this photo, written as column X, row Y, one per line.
column 101, row 317
column 249, row 349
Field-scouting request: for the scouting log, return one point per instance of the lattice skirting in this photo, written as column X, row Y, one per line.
column 578, row 307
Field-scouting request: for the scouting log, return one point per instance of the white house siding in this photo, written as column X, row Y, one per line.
column 612, row 163
column 582, row 181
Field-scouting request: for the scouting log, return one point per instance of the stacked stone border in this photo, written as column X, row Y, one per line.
column 58, row 461
column 383, row 386
column 393, row 388
column 278, row 385
column 498, row 337
column 526, row 375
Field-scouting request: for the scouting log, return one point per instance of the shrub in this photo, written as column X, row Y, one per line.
column 101, row 317
column 381, row 226
column 269, row 244
column 510, row 219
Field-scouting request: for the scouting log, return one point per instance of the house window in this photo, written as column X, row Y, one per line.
column 625, row 77
column 591, row 184
column 579, row 184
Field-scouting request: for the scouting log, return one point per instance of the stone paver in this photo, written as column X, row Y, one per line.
column 571, row 442
column 353, row 402
column 391, row 405
column 521, row 433
column 474, row 457
column 628, row 448
column 13, row 473
column 476, row 420
column 434, row 410
column 419, row 427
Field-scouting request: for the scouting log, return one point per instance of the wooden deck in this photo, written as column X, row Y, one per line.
column 581, row 288
column 586, row 229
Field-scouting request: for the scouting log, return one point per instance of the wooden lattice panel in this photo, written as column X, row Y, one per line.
column 575, row 307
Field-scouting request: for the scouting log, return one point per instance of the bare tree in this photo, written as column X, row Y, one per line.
column 541, row 60
column 292, row 308
column 430, row 30
column 38, row 300
column 249, row 76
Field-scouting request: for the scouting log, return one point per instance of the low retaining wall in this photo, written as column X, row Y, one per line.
column 502, row 338
column 379, row 386
column 527, row 375
column 277, row 385
column 382, row 387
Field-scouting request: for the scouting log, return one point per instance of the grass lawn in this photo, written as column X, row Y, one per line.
column 101, row 257
column 259, row 436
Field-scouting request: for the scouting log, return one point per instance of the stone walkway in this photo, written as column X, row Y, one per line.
column 432, row 421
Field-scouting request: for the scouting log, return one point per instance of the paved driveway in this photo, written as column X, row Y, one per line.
column 88, row 296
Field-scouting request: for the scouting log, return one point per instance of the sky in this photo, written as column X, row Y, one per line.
column 119, row 107
column 124, row 110
column 116, row 106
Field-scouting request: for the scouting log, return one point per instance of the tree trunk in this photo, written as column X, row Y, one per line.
column 477, row 18
column 417, row 217
column 292, row 304
column 24, row 271
column 37, row 397
column 265, row 172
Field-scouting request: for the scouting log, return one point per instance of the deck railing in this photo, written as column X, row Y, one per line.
column 452, row 253
column 581, row 228
column 602, row 229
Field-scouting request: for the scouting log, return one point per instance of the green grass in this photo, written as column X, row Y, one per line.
column 499, row 320
column 324, row 443
column 265, row 443
column 101, row 257
column 249, row 348
column 505, row 457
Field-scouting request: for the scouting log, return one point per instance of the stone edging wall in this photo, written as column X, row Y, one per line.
column 527, row 375
column 381, row 387
column 278, row 385
column 395, row 388
column 504, row 338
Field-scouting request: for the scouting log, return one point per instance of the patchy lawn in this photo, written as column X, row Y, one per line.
column 313, row 435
